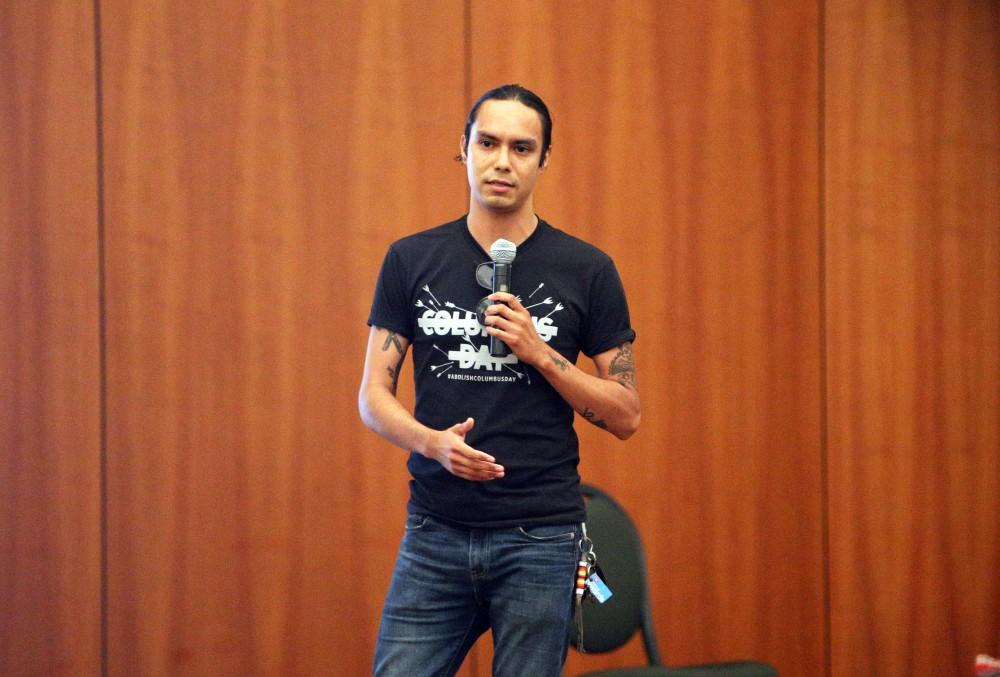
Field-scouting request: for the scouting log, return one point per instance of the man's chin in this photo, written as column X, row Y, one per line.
column 499, row 204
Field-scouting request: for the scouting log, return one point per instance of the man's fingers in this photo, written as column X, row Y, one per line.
column 471, row 455
column 463, row 427
column 514, row 304
column 462, row 460
column 478, row 475
column 501, row 321
column 476, row 463
column 501, row 310
column 503, row 297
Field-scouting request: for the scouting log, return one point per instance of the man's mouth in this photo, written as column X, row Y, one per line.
column 500, row 182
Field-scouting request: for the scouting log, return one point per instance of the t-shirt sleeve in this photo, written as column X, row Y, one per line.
column 607, row 324
column 390, row 305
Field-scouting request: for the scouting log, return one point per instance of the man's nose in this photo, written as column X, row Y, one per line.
column 503, row 158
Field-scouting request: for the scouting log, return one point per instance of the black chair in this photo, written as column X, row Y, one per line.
column 609, row 626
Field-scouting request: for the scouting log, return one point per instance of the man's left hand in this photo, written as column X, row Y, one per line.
column 510, row 321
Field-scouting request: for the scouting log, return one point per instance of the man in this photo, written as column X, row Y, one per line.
column 495, row 509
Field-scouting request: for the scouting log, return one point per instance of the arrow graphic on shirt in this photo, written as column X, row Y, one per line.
column 427, row 288
column 519, row 374
column 558, row 307
column 546, row 302
column 447, row 365
column 536, row 289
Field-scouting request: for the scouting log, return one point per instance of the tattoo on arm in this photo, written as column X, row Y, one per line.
column 559, row 362
column 622, row 367
column 394, row 372
column 591, row 416
column 392, row 340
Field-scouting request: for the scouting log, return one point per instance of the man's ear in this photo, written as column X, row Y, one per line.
column 546, row 157
column 461, row 149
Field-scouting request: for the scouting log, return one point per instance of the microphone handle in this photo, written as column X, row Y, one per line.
column 501, row 282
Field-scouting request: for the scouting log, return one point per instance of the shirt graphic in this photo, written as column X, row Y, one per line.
column 465, row 359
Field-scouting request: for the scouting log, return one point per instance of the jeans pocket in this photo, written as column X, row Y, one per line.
column 415, row 521
column 552, row 533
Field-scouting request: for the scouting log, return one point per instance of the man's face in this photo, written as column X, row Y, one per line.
column 504, row 152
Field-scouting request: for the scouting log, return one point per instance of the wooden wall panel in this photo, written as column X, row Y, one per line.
column 913, row 185
column 50, row 447
column 686, row 146
column 260, row 158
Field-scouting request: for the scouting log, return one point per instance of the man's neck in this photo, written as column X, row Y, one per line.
column 487, row 226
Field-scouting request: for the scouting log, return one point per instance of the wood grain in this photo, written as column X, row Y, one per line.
column 686, row 146
column 913, row 185
column 50, row 446
column 260, row 159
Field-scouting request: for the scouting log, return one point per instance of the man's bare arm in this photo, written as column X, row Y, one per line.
column 382, row 412
column 609, row 400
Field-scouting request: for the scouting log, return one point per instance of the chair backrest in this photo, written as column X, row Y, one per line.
column 621, row 557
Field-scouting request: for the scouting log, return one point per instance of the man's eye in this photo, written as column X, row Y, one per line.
column 521, row 149
column 485, row 143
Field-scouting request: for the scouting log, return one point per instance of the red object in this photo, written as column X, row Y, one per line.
column 987, row 666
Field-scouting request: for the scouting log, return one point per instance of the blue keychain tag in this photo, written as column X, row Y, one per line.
column 598, row 589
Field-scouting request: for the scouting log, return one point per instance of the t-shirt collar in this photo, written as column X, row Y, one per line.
column 524, row 246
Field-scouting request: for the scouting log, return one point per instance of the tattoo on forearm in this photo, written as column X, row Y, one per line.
column 622, row 367
column 392, row 340
column 394, row 372
column 559, row 362
column 591, row 416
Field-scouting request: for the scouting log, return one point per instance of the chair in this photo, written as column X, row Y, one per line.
column 608, row 626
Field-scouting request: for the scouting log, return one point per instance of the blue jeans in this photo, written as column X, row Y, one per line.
column 451, row 584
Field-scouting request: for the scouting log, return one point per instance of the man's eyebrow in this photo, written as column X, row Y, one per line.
column 492, row 137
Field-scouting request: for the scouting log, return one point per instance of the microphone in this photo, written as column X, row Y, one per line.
column 503, row 253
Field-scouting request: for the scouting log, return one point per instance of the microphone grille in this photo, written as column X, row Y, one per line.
column 503, row 251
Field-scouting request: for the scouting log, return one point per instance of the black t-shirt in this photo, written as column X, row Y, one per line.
column 427, row 291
